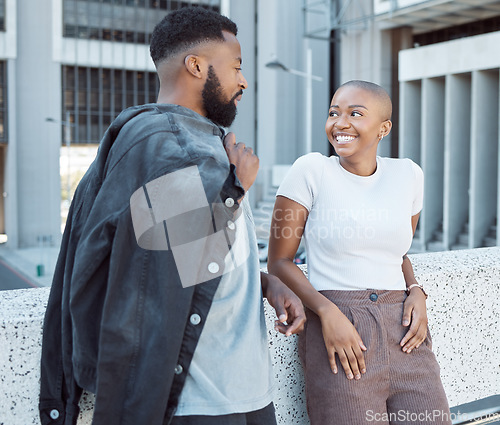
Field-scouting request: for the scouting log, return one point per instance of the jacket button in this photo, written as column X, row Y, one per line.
column 195, row 319
column 229, row 202
column 373, row 297
column 213, row 267
column 54, row 414
column 231, row 225
column 178, row 369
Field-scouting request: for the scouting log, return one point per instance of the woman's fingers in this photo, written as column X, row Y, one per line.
column 331, row 359
column 351, row 359
column 416, row 340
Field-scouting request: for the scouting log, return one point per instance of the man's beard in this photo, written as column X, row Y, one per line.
column 218, row 110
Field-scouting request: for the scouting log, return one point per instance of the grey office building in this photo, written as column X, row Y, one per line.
column 68, row 67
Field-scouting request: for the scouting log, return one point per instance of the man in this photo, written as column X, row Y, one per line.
column 156, row 304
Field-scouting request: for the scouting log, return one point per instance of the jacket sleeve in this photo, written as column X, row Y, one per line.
column 59, row 393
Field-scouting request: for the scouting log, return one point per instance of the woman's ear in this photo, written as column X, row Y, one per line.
column 192, row 64
column 385, row 128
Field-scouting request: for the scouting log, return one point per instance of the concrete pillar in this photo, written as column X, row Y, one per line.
column 267, row 92
column 10, row 172
column 37, row 142
column 410, row 128
column 432, row 155
column 457, row 156
column 498, row 180
column 398, row 39
column 410, row 134
column 243, row 13
column 484, row 154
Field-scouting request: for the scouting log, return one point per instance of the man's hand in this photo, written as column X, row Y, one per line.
column 245, row 161
column 415, row 315
column 289, row 308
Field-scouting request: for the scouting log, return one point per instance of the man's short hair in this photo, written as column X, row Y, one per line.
column 184, row 28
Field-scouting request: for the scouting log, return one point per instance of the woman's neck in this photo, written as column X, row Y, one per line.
column 361, row 168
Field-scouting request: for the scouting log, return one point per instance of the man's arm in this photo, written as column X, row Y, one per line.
column 289, row 308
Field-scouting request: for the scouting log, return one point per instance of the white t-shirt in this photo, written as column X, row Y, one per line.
column 358, row 228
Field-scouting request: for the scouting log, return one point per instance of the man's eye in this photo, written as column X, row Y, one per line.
column 238, row 69
column 356, row 114
column 333, row 114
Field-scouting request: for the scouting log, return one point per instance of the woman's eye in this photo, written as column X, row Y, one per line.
column 356, row 114
column 333, row 114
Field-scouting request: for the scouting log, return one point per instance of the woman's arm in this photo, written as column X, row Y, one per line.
column 341, row 338
column 415, row 310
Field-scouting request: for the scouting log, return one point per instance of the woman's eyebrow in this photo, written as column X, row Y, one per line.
column 350, row 106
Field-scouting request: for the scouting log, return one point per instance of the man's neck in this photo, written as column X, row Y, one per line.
column 177, row 96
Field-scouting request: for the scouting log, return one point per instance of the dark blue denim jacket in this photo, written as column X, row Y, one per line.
column 118, row 318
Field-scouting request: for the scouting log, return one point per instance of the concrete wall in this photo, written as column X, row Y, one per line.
column 449, row 114
column 450, row 57
column 463, row 309
column 36, row 144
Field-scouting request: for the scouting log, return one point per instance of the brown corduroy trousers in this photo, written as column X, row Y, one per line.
column 397, row 388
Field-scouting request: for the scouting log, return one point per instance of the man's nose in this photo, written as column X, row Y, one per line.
column 243, row 82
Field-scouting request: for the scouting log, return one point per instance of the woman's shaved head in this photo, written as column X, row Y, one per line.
column 378, row 92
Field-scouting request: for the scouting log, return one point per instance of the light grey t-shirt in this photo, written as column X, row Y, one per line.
column 231, row 370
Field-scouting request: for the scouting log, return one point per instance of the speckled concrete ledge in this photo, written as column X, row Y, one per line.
column 464, row 319
column 464, row 315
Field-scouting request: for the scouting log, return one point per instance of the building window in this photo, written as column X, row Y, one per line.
column 129, row 21
column 3, row 103
column 93, row 97
column 2, row 15
column 459, row 31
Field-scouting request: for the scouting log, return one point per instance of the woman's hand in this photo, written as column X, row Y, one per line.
column 415, row 316
column 342, row 338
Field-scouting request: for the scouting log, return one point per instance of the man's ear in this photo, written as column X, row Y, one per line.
column 193, row 65
column 385, row 128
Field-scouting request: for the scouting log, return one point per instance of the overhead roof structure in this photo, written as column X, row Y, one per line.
column 323, row 16
column 431, row 15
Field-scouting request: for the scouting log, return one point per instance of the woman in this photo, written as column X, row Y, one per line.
column 358, row 213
